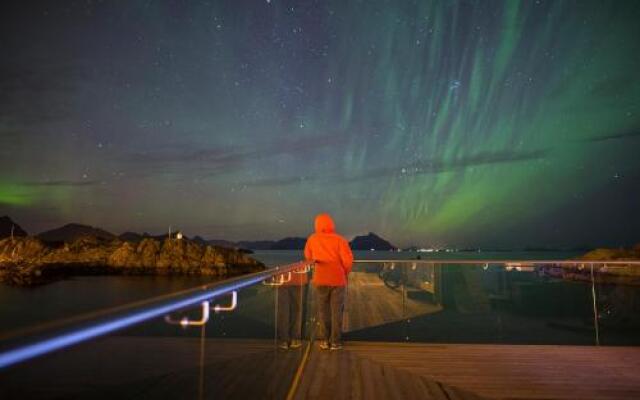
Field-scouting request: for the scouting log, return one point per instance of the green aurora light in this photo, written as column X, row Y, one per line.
column 501, row 123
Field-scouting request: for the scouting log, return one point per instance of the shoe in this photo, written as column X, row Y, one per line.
column 295, row 344
column 336, row 346
column 284, row 345
column 324, row 345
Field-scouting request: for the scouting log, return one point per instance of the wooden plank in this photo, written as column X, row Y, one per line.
column 155, row 367
column 160, row 367
column 503, row 371
column 371, row 303
column 366, row 379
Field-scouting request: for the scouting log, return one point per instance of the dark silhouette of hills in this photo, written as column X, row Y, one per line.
column 71, row 232
column 256, row 244
column 137, row 237
column 7, row 224
column 366, row 242
column 224, row 243
column 131, row 237
column 290, row 243
column 371, row 241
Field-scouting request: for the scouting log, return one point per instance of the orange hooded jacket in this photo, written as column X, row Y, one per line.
column 330, row 252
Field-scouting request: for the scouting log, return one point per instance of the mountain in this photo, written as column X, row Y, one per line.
column 71, row 232
column 222, row 243
column 256, row 245
column 131, row 237
column 290, row 243
column 137, row 237
column 371, row 242
column 6, row 225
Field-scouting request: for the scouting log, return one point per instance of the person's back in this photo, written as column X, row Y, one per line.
column 330, row 252
column 333, row 260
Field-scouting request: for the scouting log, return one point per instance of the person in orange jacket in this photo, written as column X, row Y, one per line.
column 333, row 260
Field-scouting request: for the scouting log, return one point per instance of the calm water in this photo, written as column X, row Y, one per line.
column 21, row 307
column 520, row 307
column 274, row 257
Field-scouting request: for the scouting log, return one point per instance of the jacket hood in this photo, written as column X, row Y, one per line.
column 324, row 224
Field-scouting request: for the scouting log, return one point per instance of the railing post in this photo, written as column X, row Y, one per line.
column 596, row 318
column 403, row 282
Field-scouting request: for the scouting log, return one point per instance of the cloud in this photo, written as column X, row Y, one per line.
column 423, row 167
column 224, row 158
column 286, row 181
column 622, row 135
column 62, row 183
column 435, row 166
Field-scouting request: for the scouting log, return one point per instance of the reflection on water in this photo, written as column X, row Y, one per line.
column 489, row 304
column 387, row 302
column 22, row 307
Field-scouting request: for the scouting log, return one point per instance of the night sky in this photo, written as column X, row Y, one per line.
column 444, row 123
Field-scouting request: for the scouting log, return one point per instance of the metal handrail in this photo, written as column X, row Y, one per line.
column 206, row 307
column 185, row 321
column 98, row 324
column 281, row 280
column 90, row 326
column 234, row 303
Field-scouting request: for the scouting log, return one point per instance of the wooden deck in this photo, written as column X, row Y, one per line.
column 420, row 371
column 370, row 303
column 169, row 368
column 157, row 368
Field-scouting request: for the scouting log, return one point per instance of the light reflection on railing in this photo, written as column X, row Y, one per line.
column 586, row 268
column 126, row 317
column 102, row 323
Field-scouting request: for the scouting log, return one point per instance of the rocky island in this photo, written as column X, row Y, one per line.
column 371, row 242
column 612, row 274
column 8, row 228
column 27, row 261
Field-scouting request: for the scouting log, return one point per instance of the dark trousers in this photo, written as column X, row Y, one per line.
column 330, row 303
column 290, row 309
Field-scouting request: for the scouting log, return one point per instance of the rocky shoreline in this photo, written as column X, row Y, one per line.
column 28, row 261
column 619, row 254
column 604, row 274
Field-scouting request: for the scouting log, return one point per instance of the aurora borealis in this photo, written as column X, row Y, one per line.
column 443, row 123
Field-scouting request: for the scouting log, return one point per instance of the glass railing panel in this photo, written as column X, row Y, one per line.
column 24, row 308
column 509, row 303
column 375, row 303
column 617, row 301
column 173, row 355
column 293, row 312
column 449, row 302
